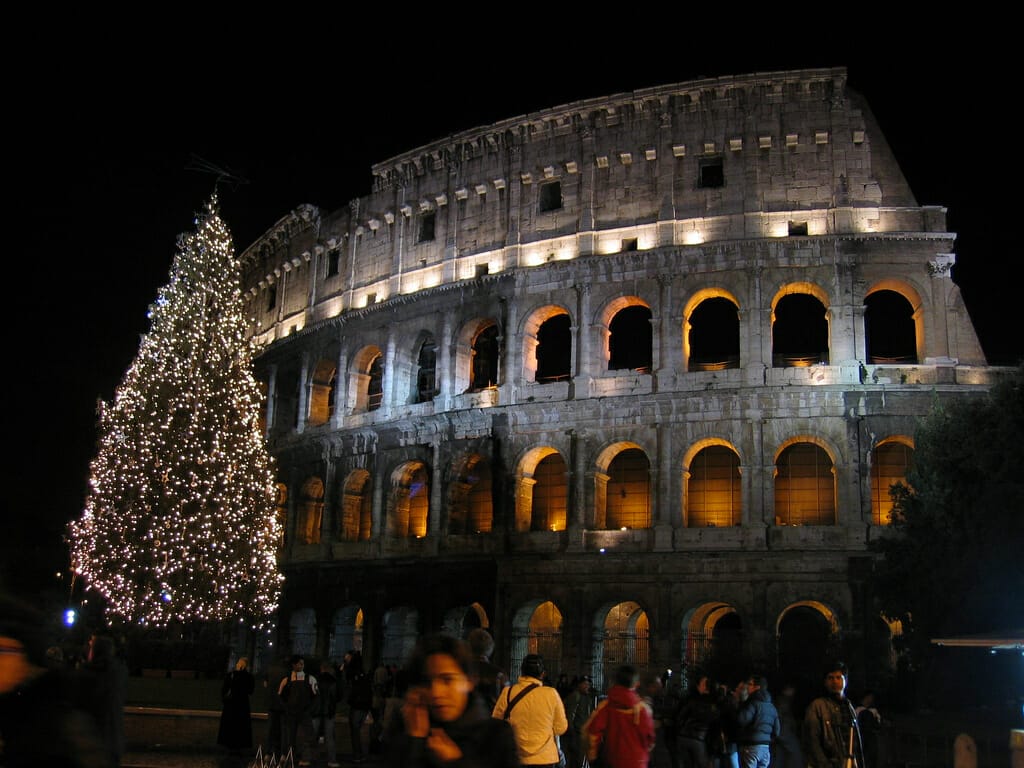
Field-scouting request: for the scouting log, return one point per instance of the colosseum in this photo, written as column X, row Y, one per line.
column 626, row 379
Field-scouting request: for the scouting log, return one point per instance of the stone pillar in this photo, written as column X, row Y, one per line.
column 340, row 388
column 300, row 421
column 436, row 474
column 576, row 523
column 664, row 522
column 584, row 364
column 388, row 383
column 271, row 398
column 755, row 332
column 661, row 370
column 444, row 368
column 378, row 512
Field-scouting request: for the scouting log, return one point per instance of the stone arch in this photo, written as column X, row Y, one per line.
column 323, row 390
column 425, row 380
column 357, row 506
column 302, row 631
column 807, row 636
column 805, row 482
column 713, row 639
column 409, row 500
column 471, row 496
column 346, row 631
column 712, row 492
column 367, row 379
column 310, row 511
column 893, row 323
column 622, row 487
column 800, row 326
column 891, row 459
column 711, row 331
column 401, row 631
column 627, row 341
column 621, row 635
column 542, row 491
column 547, row 344
column 537, row 628
column 477, row 354
column 462, row 619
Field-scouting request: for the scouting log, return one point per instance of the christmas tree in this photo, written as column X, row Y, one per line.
column 179, row 522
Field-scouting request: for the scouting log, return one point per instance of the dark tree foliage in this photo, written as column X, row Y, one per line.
column 957, row 566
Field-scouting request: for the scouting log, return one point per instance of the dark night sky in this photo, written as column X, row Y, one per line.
column 100, row 155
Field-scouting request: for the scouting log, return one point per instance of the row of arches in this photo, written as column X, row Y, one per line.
column 804, row 491
column 712, row 340
column 713, row 636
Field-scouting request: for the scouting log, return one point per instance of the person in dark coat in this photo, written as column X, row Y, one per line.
column 235, row 731
column 757, row 723
column 443, row 720
column 105, row 679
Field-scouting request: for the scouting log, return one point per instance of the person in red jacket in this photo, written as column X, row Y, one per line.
column 621, row 730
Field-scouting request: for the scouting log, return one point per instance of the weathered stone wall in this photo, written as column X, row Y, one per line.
column 745, row 190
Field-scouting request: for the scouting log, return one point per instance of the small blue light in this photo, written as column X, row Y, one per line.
column 70, row 616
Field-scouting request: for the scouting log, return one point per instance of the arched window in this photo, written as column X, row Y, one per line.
column 322, row 393
column 713, row 497
column 621, row 636
column 889, row 329
column 410, row 500
column 554, row 349
column 550, row 492
column 485, row 359
column 356, row 506
column 714, row 335
column 367, row 379
column 805, row 486
column 799, row 329
column 890, row 462
column 426, row 372
column 629, row 340
column 471, row 505
column 375, row 384
column 537, row 628
column 542, row 491
column 627, row 498
column 310, row 512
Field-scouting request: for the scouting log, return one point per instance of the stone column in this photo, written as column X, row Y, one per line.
column 340, row 388
column 443, row 369
column 300, row 422
column 388, row 383
column 664, row 504
column 271, row 398
column 436, row 474
column 584, row 364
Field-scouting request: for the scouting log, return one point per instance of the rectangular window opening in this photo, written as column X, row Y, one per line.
column 551, row 196
column 711, row 173
column 428, row 222
column 798, row 229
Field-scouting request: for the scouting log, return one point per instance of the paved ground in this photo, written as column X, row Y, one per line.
column 212, row 759
column 189, row 742
column 220, row 759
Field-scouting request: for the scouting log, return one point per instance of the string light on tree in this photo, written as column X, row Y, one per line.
column 179, row 522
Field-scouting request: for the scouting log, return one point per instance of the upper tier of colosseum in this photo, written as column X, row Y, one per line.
column 678, row 169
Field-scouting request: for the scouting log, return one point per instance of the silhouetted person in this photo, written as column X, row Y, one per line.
column 235, row 730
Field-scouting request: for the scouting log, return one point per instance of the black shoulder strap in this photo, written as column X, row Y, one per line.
column 512, row 702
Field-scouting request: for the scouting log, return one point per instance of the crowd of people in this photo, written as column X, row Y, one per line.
column 451, row 705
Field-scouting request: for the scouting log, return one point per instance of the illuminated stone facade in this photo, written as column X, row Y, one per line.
column 626, row 379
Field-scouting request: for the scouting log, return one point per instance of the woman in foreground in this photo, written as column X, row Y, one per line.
column 442, row 722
